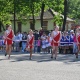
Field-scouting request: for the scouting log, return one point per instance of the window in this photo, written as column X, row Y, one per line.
column 19, row 26
column 32, row 26
column 45, row 24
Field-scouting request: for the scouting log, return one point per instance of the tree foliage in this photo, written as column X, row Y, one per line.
column 26, row 8
column 74, row 9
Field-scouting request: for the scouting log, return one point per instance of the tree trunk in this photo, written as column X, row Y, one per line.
column 33, row 19
column 14, row 18
column 65, row 15
column 42, row 13
column 3, row 26
column 0, row 26
column 33, row 22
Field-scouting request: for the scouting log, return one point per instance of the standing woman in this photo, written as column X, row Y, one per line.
column 78, row 39
column 30, row 41
column 56, row 36
column 8, row 39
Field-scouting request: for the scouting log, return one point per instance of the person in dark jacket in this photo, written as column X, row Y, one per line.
column 36, row 36
column 24, row 41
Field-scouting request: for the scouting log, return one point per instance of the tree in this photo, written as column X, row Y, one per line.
column 4, row 17
column 25, row 9
column 65, row 15
column 42, row 13
column 56, row 5
column 74, row 9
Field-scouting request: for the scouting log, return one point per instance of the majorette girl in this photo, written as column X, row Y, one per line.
column 30, row 41
column 8, row 39
column 56, row 36
column 78, row 39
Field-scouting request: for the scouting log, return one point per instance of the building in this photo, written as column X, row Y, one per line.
column 48, row 23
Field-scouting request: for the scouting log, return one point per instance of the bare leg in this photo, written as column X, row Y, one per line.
column 77, row 52
column 30, row 54
column 10, row 48
column 7, row 50
column 53, row 51
column 56, row 49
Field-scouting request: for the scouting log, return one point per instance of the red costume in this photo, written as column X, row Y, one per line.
column 30, row 43
column 78, row 38
column 9, row 37
column 55, row 40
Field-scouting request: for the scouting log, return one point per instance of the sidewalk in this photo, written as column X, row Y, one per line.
column 41, row 67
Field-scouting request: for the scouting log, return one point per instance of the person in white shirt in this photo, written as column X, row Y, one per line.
column 20, row 37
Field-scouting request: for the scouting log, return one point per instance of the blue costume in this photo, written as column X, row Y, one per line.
column 71, row 39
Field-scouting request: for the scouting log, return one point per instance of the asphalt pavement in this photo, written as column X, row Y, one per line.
column 41, row 67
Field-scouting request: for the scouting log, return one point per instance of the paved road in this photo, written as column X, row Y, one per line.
column 41, row 67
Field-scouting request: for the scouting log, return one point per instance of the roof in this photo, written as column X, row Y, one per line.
column 56, row 13
column 48, row 14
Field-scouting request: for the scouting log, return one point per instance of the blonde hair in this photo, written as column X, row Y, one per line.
column 57, row 27
column 30, row 31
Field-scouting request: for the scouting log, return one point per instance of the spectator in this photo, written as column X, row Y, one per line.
column 43, row 38
column 41, row 32
column 24, row 41
column 20, row 36
column 75, row 47
column 36, row 35
column 39, row 45
column 17, row 42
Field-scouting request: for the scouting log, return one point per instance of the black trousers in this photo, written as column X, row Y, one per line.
column 39, row 49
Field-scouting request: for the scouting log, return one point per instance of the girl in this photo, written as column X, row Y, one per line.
column 43, row 38
column 39, row 45
column 30, row 41
column 78, row 39
column 8, row 39
column 75, row 48
column 56, row 35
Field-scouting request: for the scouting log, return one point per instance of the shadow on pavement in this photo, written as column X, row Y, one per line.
column 35, row 57
column 67, row 58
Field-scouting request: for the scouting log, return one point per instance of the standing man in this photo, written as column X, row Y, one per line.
column 56, row 36
column 30, row 41
column 24, row 43
column 8, row 39
column 36, row 36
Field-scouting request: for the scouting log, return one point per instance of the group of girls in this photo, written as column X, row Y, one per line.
column 8, row 41
column 66, row 42
column 71, row 41
column 51, row 41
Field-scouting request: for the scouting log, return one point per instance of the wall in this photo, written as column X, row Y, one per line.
column 26, row 27
column 49, row 27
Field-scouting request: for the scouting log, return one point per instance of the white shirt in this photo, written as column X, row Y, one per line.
column 20, row 36
column 29, row 37
column 7, row 31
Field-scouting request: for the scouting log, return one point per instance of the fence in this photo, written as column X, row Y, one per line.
column 63, row 45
